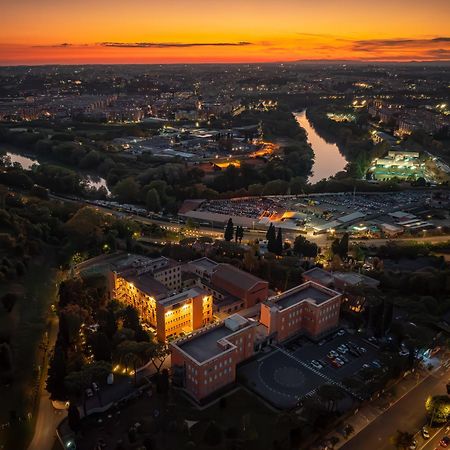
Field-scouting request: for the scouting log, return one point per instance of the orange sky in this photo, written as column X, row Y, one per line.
column 171, row 31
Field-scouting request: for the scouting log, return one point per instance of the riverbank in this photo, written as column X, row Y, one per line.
column 328, row 159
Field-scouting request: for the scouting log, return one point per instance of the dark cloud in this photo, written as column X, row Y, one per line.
column 172, row 44
column 379, row 44
column 440, row 53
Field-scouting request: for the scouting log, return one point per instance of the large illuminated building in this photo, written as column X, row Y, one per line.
column 204, row 363
column 154, row 288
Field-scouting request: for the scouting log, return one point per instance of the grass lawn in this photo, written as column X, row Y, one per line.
column 26, row 325
column 242, row 418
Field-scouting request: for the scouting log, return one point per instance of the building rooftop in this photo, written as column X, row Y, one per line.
column 235, row 276
column 181, row 297
column 204, row 345
column 204, row 263
column 354, row 279
column 320, row 276
column 308, row 291
column 147, row 284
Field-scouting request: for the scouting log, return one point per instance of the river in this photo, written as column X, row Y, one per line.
column 27, row 162
column 328, row 160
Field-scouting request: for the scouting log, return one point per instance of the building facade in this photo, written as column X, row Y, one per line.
column 154, row 288
column 205, row 362
column 310, row 308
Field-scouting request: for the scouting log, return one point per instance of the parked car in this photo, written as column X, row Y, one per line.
column 362, row 349
column 340, row 361
column 316, row 364
column 89, row 393
column 95, row 386
column 444, row 441
column 341, row 332
column 425, row 433
column 333, row 354
column 376, row 364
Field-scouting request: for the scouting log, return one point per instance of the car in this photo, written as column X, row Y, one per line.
column 344, row 358
column 376, row 364
column 413, row 445
column 332, row 354
column 362, row 349
column 373, row 339
column 341, row 332
column 316, row 364
column 89, row 393
column 365, row 366
column 343, row 349
column 425, row 433
column 444, row 441
column 340, row 361
column 336, row 364
column 95, row 386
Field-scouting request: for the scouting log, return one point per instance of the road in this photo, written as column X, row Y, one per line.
column 320, row 239
column 408, row 414
column 47, row 417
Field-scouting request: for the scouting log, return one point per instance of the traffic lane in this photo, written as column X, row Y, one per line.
column 435, row 437
column 408, row 414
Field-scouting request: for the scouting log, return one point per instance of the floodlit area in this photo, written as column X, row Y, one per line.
column 309, row 214
column 400, row 165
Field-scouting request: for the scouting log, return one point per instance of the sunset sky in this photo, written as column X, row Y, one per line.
column 175, row 31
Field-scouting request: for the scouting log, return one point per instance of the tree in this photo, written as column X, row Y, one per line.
column 438, row 409
column 127, row 190
column 403, row 440
column 279, row 243
column 73, row 417
column 340, row 247
column 152, row 200
column 271, row 237
column 239, row 234
column 331, row 395
column 229, row 230
column 131, row 318
column 101, row 347
column 303, row 247
column 8, row 301
column 56, row 374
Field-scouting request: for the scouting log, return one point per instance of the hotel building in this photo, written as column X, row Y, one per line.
column 154, row 288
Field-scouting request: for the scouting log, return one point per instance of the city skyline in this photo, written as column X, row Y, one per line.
column 111, row 32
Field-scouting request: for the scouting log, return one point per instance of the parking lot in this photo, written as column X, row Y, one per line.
column 292, row 372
